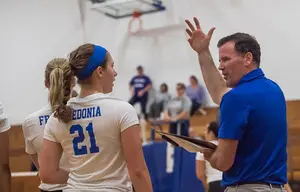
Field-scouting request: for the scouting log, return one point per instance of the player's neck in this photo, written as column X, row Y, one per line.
column 86, row 91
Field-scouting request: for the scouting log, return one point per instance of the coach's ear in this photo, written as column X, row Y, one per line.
column 248, row 59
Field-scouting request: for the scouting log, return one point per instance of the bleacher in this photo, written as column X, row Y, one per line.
column 25, row 181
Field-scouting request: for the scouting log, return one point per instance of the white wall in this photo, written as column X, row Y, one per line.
column 34, row 31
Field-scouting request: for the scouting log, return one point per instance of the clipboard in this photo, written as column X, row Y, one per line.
column 188, row 143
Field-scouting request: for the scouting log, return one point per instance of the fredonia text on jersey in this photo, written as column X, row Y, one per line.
column 84, row 113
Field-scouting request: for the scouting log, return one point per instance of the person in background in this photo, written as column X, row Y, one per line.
column 139, row 87
column 288, row 188
column 193, row 133
column 161, row 98
column 98, row 133
column 34, row 124
column 5, row 175
column 211, row 178
column 195, row 92
column 178, row 109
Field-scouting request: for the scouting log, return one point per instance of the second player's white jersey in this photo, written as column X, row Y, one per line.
column 33, row 129
column 92, row 142
column 4, row 125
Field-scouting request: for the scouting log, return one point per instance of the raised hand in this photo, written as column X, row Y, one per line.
column 198, row 40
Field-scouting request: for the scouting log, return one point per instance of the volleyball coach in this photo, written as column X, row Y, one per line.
column 253, row 127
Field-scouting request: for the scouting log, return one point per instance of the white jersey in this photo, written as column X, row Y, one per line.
column 4, row 125
column 92, row 142
column 211, row 173
column 33, row 129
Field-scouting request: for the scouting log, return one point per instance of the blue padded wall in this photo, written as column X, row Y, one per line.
column 182, row 176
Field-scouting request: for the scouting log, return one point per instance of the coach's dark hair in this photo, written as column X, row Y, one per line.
column 244, row 43
column 77, row 60
column 214, row 127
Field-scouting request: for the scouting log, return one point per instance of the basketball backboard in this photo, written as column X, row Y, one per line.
column 118, row 9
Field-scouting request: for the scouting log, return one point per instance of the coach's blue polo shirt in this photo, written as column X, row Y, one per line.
column 254, row 113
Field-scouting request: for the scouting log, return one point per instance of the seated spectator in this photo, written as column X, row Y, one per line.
column 211, row 178
column 161, row 98
column 177, row 111
column 195, row 93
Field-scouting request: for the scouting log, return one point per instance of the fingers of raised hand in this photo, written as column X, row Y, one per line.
column 211, row 31
column 197, row 23
column 189, row 32
column 192, row 28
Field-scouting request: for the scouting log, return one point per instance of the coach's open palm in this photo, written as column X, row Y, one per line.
column 198, row 40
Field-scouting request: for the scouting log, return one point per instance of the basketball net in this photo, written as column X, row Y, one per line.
column 135, row 20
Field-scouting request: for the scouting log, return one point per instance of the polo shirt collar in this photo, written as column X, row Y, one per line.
column 256, row 73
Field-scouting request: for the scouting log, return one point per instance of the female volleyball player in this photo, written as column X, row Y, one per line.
column 33, row 127
column 98, row 133
column 211, row 178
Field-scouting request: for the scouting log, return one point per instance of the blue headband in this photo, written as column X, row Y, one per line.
column 95, row 61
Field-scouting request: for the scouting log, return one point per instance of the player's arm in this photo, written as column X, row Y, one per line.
column 234, row 118
column 5, row 175
column 28, row 130
column 34, row 159
column 49, row 159
column 132, row 148
column 200, row 170
column 50, row 155
column 134, row 157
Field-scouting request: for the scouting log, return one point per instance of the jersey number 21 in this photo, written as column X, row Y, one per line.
column 80, row 138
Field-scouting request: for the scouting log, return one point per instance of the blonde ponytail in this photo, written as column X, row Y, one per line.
column 60, row 85
column 64, row 112
column 56, row 95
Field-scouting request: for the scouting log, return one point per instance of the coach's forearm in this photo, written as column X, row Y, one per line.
column 5, row 178
column 218, row 162
column 213, row 79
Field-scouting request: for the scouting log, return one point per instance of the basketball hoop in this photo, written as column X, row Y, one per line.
column 136, row 17
column 119, row 9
